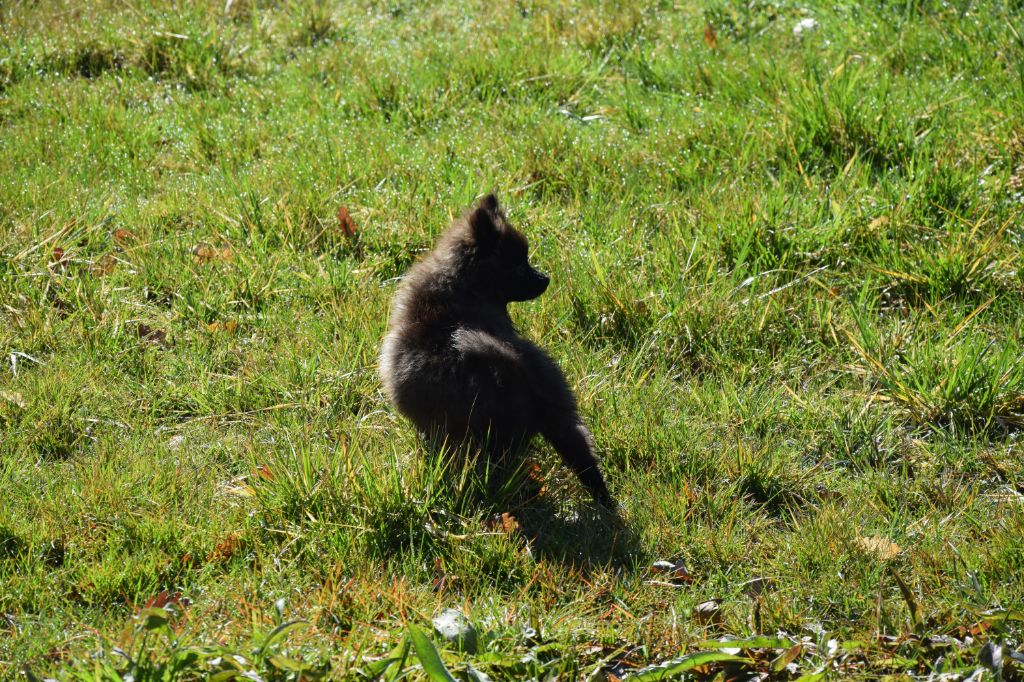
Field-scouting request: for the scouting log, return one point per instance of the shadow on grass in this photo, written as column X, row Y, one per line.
column 560, row 524
column 585, row 536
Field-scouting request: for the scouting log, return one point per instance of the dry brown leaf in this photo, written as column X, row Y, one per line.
column 509, row 523
column 442, row 580
column 14, row 398
column 166, row 598
column 147, row 333
column 201, row 253
column 710, row 37
column 204, row 253
column 123, row 236
column 535, row 472
column 708, row 612
column 228, row 327
column 882, row 548
column 673, row 570
column 59, row 260
column 225, row 549
column 345, row 223
column 504, row 522
column 755, row 587
column 104, row 265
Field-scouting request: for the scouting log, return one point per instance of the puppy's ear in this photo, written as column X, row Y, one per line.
column 490, row 202
column 485, row 226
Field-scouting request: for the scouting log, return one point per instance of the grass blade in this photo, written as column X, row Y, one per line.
column 908, row 597
column 280, row 631
column 428, row 656
column 683, row 665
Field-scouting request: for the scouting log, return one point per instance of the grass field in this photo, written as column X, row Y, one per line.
column 787, row 289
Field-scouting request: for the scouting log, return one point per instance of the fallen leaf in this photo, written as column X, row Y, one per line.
column 673, row 570
column 14, row 398
column 977, row 629
column 504, row 522
column 166, row 598
column 882, row 548
column 754, row 587
column 227, row 327
column 104, row 265
column 708, row 612
column 345, row 223
column 225, row 549
column 535, row 475
column 204, row 253
column 710, row 37
column 147, row 333
column 58, row 654
column 535, row 472
column 123, row 236
column 509, row 523
column 201, row 253
column 59, row 260
column 441, row 578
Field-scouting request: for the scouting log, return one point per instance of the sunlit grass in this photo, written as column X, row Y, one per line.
column 786, row 289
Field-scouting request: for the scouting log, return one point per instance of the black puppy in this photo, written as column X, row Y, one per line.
column 455, row 366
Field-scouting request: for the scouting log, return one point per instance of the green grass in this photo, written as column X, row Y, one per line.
column 787, row 289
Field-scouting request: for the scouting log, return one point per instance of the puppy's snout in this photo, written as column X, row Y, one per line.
column 542, row 280
column 529, row 283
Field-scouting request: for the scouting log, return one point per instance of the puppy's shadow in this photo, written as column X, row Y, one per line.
column 562, row 526
column 577, row 534
column 558, row 526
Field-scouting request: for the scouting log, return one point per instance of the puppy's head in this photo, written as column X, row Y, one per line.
column 501, row 255
column 496, row 256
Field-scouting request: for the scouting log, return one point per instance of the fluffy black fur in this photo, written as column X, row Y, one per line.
column 453, row 363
